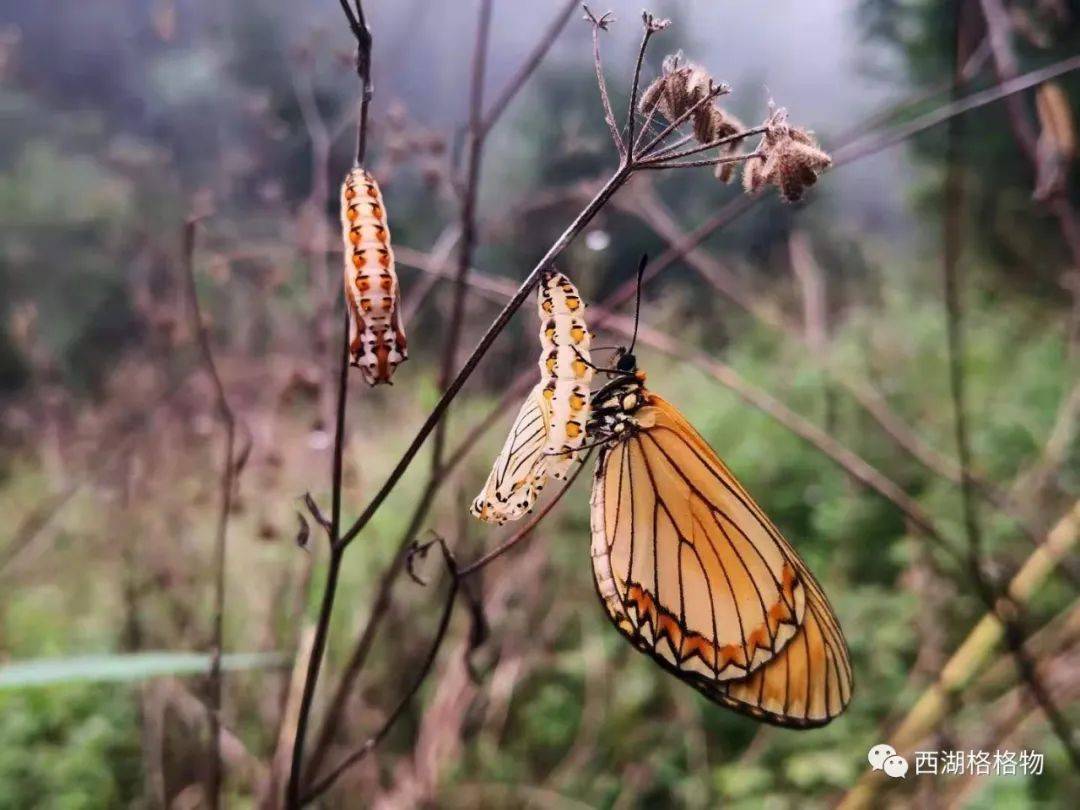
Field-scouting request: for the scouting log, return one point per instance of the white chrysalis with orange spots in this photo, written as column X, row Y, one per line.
column 550, row 427
column 376, row 337
column 567, row 366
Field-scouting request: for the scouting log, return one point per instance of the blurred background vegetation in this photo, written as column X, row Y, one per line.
column 123, row 117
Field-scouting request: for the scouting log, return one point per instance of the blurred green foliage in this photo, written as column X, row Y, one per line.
column 74, row 748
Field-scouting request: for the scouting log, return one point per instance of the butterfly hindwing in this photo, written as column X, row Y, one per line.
column 694, row 573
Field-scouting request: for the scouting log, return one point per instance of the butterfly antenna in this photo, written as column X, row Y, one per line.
column 637, row 303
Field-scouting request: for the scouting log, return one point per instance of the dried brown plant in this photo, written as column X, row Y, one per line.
column 790, row 159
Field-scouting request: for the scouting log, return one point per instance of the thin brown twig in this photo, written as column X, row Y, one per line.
column 36, row 521
column 335, row 711
column 362, row 33
column 651, row 210
column 642, row 157
column 478, row 129
column 600, row 24
column 525, row 530
column 471, row 190
column 458, row 574
column 322, row 626
column 955, row 352
column 877, row 141
column 335, row 707
column 650, row 27
column 115, row 442
column 693, row 164
column 667, row 154
column 227, row 486
column 326, row 782
column 364, row 43
column 528, row 66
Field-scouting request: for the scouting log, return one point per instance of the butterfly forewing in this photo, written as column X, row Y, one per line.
column 518, row 475
column 695, row 574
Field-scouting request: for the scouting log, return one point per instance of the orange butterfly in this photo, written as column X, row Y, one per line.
column 695, row 575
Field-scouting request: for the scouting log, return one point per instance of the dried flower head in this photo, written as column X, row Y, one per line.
column 654, row 24
column 680, row 87
column 713, row 126
column 790, row 159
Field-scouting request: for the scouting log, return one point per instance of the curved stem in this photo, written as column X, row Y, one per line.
column 573, row 229
column 322, row 626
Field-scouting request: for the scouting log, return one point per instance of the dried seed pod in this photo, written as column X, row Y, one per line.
column 792, row 159
column 680, row 87
column 376, row 337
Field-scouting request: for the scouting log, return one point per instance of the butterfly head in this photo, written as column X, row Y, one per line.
column 625, row 361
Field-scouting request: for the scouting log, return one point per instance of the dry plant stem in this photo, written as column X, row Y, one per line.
column 322, row 626
column 693, row 164
column 878, row 120
column 336, row 706
column 362, row 34
column 528, row 67
column 882, row 140
column 525, row 530
column 117, row 442
column 646, row 124
column 668, row 153
column 458, row 575
column 468, row 216
column 642, row 157
column 600, row 24
column 228, row 473
column 358, row 658
column 479, row 127
column 494, row 330
column 440, row 634
column 35, row 522
column 954, row 197
column 631, row 109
